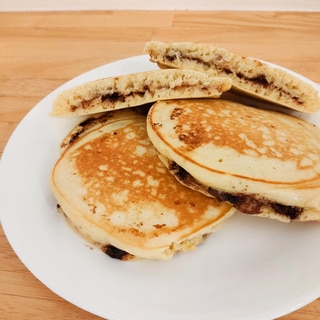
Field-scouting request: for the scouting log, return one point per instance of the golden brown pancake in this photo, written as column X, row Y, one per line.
column 264, row 162
column 116, row 193
column 249, row 76
column 137, row 89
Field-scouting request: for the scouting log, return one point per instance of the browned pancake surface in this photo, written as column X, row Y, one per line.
column 114, row 189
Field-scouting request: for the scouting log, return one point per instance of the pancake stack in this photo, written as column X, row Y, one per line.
column 163, row 158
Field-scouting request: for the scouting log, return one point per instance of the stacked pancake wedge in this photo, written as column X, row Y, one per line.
column 115, row 192
column 136, row 89
column 250, row 76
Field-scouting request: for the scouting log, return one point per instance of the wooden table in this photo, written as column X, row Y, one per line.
column 40, row 51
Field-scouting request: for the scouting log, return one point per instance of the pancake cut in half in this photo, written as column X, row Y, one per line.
column 136, row 89
column 117, row 194
column 250, row 76
column 263, row 162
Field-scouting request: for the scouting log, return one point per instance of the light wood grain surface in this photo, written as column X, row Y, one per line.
column 40, row 51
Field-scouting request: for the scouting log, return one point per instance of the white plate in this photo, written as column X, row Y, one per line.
column 251, row 268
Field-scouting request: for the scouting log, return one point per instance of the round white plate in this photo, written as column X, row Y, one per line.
column 251, row 268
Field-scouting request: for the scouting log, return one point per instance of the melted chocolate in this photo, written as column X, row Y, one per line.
column 246, row 203
column 115, row 253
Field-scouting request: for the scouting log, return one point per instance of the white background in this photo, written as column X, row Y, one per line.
column 271, row 5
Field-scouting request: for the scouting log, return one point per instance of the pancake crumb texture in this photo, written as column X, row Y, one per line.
column 137, row 89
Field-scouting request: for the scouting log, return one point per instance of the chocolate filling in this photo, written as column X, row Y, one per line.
column 120, row 97
column 115, row 96
column 251, row 204
column 260, row 79
column 246, row 203
column 116, row 253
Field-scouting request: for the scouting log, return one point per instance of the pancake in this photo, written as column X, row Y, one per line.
column 249, row 76
column 137, row 89
column 114, row 190
column 263, row 162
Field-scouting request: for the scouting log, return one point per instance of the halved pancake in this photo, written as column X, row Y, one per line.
column 250, row 76
column 263, row 162
column 115, row 191
column 137, row 89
